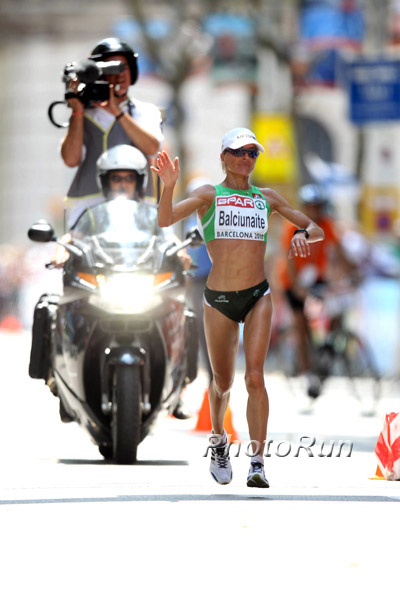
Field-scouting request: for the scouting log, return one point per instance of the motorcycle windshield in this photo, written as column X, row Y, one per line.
column 120, row 232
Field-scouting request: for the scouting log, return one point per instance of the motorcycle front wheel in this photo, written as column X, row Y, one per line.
column 126, row 413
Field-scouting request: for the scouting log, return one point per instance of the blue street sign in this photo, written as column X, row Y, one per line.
column 374, row 90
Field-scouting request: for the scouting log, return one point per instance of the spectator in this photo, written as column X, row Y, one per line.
column 298, row 276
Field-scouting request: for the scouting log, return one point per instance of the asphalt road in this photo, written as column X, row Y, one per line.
column 73, row 526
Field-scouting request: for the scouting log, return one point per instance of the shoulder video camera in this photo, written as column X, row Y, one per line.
column 92, row 87
column 90, row 73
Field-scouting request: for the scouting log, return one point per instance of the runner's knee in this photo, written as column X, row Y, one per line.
column 222, row 384
column 254, row 380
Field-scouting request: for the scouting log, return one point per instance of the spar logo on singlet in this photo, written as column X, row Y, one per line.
column 259, row 202
column 240, row 217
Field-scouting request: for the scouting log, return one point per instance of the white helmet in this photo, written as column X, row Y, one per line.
column 122, row 158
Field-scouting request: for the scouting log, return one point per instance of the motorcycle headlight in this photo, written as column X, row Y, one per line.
column 125, row 293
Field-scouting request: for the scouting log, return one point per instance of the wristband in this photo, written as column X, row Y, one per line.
column 302, row 231
column 117, row 118
column 76, row 113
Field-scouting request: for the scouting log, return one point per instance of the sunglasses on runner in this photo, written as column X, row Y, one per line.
column 131, row 178
column 251, row 152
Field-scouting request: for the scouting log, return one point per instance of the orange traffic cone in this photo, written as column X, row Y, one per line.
column 11, row 323
column 378, row 474
column 204, row 420
column 228, row 426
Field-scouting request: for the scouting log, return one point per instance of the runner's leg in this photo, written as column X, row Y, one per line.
column 256, row 337
column 222, row 335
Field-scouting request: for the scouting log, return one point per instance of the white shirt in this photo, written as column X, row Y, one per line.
column 146, row 115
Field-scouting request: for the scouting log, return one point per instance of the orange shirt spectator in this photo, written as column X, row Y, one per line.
column 319, row 252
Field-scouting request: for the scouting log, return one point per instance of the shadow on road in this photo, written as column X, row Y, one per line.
column 140, row 463
column 203, row 498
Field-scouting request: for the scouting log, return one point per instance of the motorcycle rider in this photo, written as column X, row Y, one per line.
column 122, row 171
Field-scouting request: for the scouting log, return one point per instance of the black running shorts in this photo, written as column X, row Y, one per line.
column 236, row 305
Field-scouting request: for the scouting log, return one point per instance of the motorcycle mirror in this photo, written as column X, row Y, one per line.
column 195, row 237
column 41, row 232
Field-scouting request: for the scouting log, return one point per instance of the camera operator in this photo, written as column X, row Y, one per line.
column 102, row 125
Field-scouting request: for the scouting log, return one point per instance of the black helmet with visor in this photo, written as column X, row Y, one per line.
column 115, row 47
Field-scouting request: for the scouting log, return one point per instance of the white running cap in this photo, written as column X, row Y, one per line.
column 238, row 137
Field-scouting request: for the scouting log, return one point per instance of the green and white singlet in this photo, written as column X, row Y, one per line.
column 236, row 215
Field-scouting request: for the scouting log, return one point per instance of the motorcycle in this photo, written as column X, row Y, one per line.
column 120, row 343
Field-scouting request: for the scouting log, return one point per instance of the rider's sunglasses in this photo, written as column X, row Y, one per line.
column 114, row 178
column 251, row 152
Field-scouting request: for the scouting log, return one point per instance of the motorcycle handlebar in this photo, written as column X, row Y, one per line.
column 175, row 249
column 72, row 249
column 193, row 238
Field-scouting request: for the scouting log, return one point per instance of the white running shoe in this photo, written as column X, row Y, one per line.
column 256, row 476
column 220, row 466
